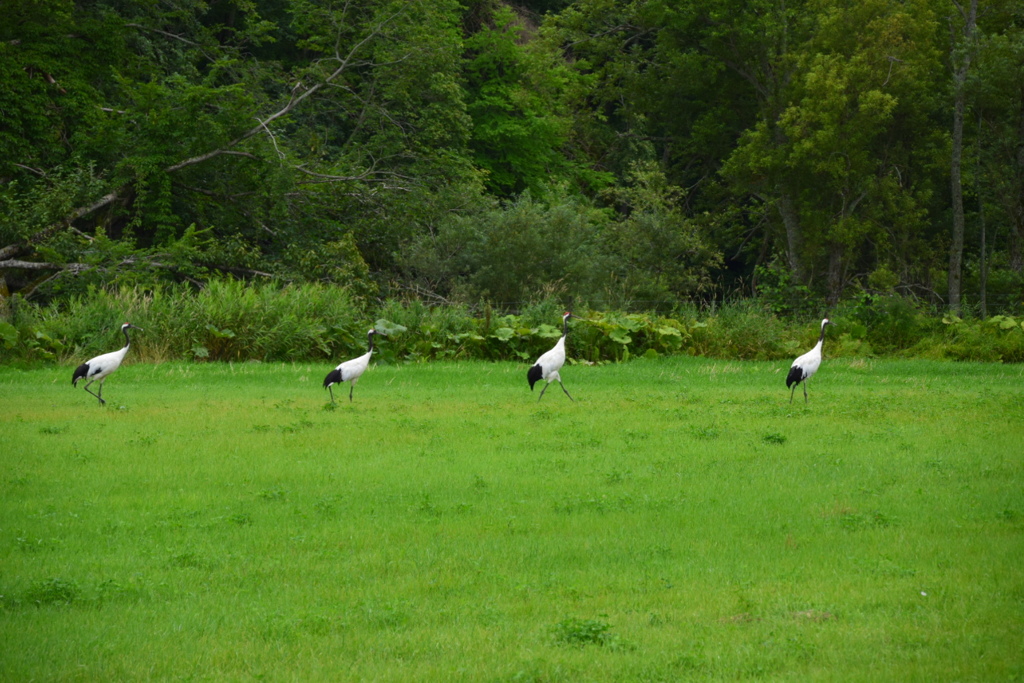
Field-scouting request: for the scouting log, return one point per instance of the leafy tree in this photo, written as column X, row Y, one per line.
column 514, row 92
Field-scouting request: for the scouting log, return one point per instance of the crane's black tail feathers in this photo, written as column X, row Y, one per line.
column 796, row 375
column 80, row 372
column 333, row 377
column 534, row 375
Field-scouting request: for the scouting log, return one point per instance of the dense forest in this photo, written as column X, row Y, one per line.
column 629, row 155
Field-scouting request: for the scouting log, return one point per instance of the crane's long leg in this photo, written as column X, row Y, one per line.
column 791, row 392
column 350, row 388
column 542, row 392
column 102, row 402
column 566, row 391
column 805, row 391
column 332, row 392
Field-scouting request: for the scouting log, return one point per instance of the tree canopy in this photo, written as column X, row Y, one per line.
column 629, row 153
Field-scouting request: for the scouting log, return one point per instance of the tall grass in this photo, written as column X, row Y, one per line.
column 233, row 321
column 680, row 521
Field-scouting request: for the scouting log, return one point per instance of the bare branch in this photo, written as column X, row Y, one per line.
column 273, row 139
column 298, row 95
column 39, row 173
column 41, row 265
column 165, row 33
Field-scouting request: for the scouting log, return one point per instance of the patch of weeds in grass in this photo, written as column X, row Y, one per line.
column 576, row 632
column 600, row 504
column 854, row 520
column 30, row 545
column 319, row 624
column 296, row 426
column 189, row 560
column 240, row 518
column 261, row 428
column 657, row 552
column 53, row 429
column 53, row 591
column 692, row 663
column 329, row 407
column 705, row 432
column 635, row 435
column 939, row 466
column 271, row 494
column 326, row 506
column 428, row 508
column 479, row 483
column 615, row 477
column 1011, row 516
column 774, row 438
column 112, row 589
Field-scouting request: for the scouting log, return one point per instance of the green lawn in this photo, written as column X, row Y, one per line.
column 680, row 520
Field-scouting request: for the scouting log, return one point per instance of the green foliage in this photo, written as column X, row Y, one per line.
column 999, row 338
column 630, row 154
column 54, row 591
column 744, row 330
column 890, row 323
column 579, row 632
column 230, row 320
column 519, row 252
column 657, row 255
column 777, row 290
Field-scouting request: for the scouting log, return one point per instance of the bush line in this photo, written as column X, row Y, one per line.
column 234, row 321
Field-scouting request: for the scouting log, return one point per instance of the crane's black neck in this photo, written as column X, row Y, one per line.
column 821, row 339
column 370, row 350
column 127, row 341
column 565, row 326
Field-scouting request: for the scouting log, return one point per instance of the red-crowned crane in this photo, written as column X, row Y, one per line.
column 351, row 370
column 98, row 368
column 547, row 366
column 806, row 365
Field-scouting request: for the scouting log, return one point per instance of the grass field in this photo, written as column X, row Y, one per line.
column 681, row 520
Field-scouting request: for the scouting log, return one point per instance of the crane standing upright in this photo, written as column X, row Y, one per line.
column 351, row 370
column 805, row 366
column 99, row 368
column 547, row 366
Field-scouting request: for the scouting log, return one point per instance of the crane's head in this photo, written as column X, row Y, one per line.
column 826, row 321
column 134, row 327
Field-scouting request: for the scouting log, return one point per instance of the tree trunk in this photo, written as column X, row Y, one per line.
column 794, row 237
column 983, row 275
column 1016, row 253
column 1015, row 209
column 956, row 249
column 835, row 273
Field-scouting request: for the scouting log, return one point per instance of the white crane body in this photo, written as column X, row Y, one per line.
column 350, row 371
column 99, row 368
column 805, row 366
column 547, row 366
